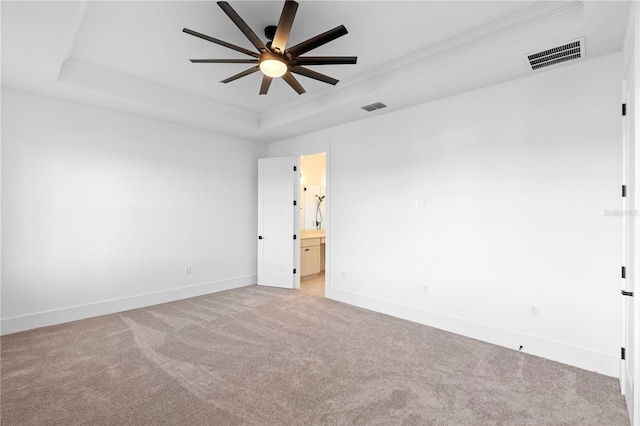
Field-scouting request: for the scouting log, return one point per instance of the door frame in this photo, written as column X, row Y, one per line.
column 631, row 236
column 326, row 219
column 627, row 342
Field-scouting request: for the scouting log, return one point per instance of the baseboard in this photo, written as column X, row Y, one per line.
column 73, row 313
column 607, row 364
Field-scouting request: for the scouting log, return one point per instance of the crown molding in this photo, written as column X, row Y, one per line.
column 101, row 78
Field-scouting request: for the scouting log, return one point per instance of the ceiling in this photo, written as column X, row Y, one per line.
column 133, row 56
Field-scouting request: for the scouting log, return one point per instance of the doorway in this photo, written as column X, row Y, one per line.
column 313, row 223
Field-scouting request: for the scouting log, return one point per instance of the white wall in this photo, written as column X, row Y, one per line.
column 313, row 169
column 518, row 178
column 103, row 211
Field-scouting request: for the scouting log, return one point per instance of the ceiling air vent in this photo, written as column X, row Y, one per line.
column 567, row 52
column 374, row 106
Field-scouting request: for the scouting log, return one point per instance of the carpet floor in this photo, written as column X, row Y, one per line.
column 265, row 356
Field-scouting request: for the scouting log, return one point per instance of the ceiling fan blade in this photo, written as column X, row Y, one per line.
column 241, row 74
column 291, row 80
column 313, row 74
column 324, row 60
column 221, row 43
column 248, row 32
column 266, row 82
column 284, row 26
column 316, row 41
column 224, row 61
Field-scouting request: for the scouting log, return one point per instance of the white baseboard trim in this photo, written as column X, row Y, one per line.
column 105, row 307
column 587, row 359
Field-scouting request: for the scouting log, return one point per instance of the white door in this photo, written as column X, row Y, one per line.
column 629, row 371
column 278, row 222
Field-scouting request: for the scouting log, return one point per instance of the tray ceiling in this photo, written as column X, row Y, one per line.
column 133, row 56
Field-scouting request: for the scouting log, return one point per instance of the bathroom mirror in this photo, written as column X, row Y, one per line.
column 313, row 201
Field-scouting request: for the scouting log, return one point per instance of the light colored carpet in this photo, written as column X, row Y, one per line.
column 268, row 356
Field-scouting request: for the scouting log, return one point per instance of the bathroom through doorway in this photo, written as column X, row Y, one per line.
column 313, row 226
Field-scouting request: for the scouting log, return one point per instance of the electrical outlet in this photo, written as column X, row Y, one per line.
column 425, row 290
column 534, row 310
column 187, row 270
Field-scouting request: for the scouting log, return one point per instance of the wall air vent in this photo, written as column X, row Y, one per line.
column 374, row 106
column 567, row 52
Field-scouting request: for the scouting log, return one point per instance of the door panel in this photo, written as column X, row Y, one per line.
column 278, row 251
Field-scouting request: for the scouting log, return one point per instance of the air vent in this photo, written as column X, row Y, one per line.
column 567, row 52
column 374, row 106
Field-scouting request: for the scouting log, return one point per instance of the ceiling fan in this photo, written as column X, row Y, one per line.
column 273, row 58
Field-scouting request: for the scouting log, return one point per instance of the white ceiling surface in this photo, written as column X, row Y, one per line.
column 133, row 56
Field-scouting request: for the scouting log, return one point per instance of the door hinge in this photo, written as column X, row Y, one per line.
column 623, row 353
column 295, row 237
column 627, row 293
column 294, row 271
column 624, row 190
column 624, row 109
column 295, row 203
column 624, row 272
column 295, row 169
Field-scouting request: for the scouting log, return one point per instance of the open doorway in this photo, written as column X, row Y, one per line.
column 313, row 202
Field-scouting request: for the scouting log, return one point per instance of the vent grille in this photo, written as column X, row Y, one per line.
column 567, row 52
column 374, row 106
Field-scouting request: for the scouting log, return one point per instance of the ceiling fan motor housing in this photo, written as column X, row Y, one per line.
column 270, row 31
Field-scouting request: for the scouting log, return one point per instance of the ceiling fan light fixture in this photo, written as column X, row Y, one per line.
column 273, row 58
column 273, row 66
